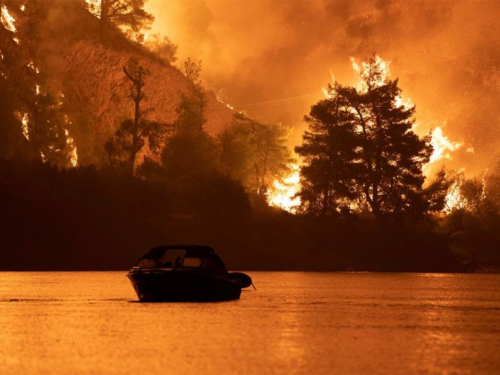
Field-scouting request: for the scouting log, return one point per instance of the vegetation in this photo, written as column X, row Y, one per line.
column 131, row 137
column 361, row 152
column 364, row 202
column 126, row 14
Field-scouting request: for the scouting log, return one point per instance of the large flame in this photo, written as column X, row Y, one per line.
column 7, row 20
column 94, row 7
column 283, row 191
column 220, row 98
column 455, row 199
column 24, row 122
column 443, row 147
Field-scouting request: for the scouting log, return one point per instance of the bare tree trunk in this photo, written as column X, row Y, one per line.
column 137, row 98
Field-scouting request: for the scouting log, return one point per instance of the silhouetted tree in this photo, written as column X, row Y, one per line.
column 392, row 154
column 329, row 151
column 163, row 47
column 255, row 153
column 45, row 126
column 387, row 157
column 193, row 74
column 436, row 191
column 464, row 194
column 129, row 14
column 131, row 136
column 190, row 150
column 492, row 183
column 189, row 153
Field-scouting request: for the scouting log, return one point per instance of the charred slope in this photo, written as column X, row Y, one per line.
column 63, row 39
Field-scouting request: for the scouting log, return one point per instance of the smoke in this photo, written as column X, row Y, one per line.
column 445, row 53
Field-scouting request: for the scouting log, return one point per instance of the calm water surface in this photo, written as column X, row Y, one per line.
column 296, row 323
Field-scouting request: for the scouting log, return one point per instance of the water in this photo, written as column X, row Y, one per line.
column 296, row 323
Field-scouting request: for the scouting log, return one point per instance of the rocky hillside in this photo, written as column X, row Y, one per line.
column 68, row 51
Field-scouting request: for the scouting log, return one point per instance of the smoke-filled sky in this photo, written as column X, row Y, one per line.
column 445, row 53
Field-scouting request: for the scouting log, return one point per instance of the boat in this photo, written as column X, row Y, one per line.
column 178, row 273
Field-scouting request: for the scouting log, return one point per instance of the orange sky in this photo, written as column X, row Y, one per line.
column 446, row 54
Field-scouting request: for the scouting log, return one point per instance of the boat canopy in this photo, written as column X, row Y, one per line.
column 192, row 251
column 182, row 256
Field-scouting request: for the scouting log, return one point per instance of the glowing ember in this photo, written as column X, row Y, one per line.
column 220, row 98
column 442, row 146
column 282, row 194
column 71, row 144
column 32, row 66
column 7, row 20
column 94, row 7
column 24, row 125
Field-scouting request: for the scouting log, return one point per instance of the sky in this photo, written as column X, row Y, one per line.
column 272, row 57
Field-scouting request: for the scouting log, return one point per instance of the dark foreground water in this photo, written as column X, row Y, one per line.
column 296, row 323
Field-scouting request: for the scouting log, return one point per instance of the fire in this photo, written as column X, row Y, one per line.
column 94, row 7
column 7, row 20
column 73, row 153
column 220, row 98
column 454, row 199
column 381, row 74
column 442, row 146
column 282, row 193
column 24, row 122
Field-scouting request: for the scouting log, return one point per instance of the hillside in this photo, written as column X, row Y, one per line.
column 74, row 61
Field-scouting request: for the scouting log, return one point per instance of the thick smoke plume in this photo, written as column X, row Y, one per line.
column 445, row 53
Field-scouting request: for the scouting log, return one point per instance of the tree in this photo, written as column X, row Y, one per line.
column 190, row 150
column 464, row 194
column 163, row 47
column 127, row 14
column 329, row 154
column 45, row 126
column 382, row 158
column 193, row 74
column 393, row 155
column 492, row 182
column 131, row 136
column 255, row 153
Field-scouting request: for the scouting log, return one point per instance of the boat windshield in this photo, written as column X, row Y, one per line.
column 173, row 258
column 182, row 258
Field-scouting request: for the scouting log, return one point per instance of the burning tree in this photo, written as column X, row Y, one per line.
column 329, row 151
column 128, row 15
column 131, row 137
column 362, row 139
column 190, row 150
column 255, row 153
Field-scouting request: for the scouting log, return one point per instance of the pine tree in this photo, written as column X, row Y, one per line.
column 126, row 14
column 393, row 155
column 361, row 150
column 330, row 157
column 255, row 153
column 131, row 137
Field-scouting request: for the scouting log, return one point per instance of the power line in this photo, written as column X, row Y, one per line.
column 283, row 101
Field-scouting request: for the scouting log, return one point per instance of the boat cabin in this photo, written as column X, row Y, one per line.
column 182, row 257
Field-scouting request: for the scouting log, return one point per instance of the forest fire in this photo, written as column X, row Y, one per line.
column 24, row 122
column 7, row 20
column 283, row 192
column 443, row 147
column 94, row 7
column 54, row 122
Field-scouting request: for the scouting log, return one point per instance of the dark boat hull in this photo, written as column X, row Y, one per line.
column 182, row 285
